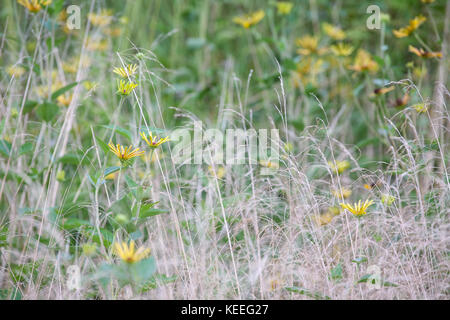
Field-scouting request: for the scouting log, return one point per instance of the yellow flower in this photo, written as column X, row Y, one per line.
column 61, row 175
column 124, row 88
column 14, row 112
column 274, row 284
column 152, row 157
column 249, row 20
column 112, row 32
column 219, row 173
column 90, row 85
column 288, row 147
column 335, row 211
column 126, row 72
column 125, row 153
column 420, row 72
column 309, row 45
column 71, row 66
column 427, row 1
column 43, row 91
column 333, row 32
column 65, row 100
column 340, row 166
column 401, row 102
column 413, row 25
column 123, row 20
column 343, row 193
column 342, row 49
column 269, row 164
column 424, row 54
column 102, row 19
column 153, row 141
column 96, row 45
column 16, row 71
column 284, row 7
column 89, row 249
column 420, row 107
column 128, row 253
column 34, row 5
column 111, row 176
column 326, row 217
column 307, row 71
column 369, row 186
column 323, row 218
column 387, row 199
column 363, row 62
column 358, row 209
column 381, row 91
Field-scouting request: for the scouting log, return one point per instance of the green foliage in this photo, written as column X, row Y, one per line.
column 47, row 111
column 135, row 274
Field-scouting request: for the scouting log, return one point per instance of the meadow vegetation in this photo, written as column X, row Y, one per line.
column 93, row 205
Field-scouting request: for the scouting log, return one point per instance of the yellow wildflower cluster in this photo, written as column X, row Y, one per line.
column 309, row 45
column 327, row 216
column 16, row 71
column 101, row 19
column 284, row 7
column 339, row 166
column 333, row 32
column 307, row 71
column 341, row 49
column 153, row 141
column 128, row 253
column 410, row 28
column 364, row 62
column 424, row 54
column 249, row 20
column 34, row 5
column 127, row 153
column 358, row 209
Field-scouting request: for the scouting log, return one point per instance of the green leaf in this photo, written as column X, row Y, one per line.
column 358, row 89
column 5, row 148
column 157, row 280
column 106, row 236
column 314, row 295
column 123, row 132
column 47, row 111
column 27, row 147
column 105, row 273
column 73, row 159
column 62, row 90
column 56, row 7
column 75, row 223
column 195, row 43
column 136, row 235
column 110, row 170
column 359, row 260
column 136, row 190
column 143, row 270
column 289, row 64
column 29, row 106
column 122, row 206
column 147, row 211
column 366, row 277
column 130, row 182
column 103, row 145
column 336, row 272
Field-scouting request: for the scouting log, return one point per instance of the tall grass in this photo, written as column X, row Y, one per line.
column 243, row 235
